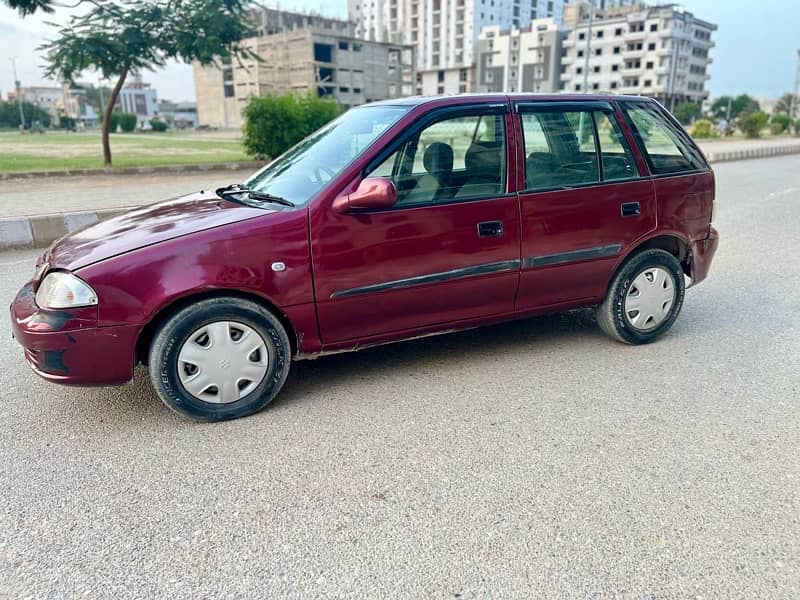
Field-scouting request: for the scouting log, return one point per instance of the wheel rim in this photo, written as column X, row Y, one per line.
column 649, row 299
column 222, row 362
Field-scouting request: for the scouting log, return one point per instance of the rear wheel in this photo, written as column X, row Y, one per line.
column 219, row 359
column 644, row 298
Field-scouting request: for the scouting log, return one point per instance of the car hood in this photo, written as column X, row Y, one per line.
column 144, row 227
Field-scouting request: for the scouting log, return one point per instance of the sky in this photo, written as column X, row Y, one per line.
column 756, row 46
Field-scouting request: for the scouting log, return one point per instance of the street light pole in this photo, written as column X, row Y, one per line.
column 18, row 86
column 794, row 99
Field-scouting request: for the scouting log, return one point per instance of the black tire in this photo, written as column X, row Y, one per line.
column 611, row 313
column 173, row 333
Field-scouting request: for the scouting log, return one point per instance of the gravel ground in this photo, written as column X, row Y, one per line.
column 536, row 458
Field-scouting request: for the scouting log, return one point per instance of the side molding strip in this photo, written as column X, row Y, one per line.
column 546, row 260
column 485, row 269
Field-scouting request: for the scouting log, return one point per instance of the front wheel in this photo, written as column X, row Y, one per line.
column 644, row 298
column 219, row 359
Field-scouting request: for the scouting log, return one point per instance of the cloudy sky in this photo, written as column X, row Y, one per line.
column 756, row 46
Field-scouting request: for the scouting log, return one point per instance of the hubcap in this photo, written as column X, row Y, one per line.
column 650, row 298
column 222, row 362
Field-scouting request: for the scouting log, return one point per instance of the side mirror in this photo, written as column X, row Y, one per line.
column 373, row 193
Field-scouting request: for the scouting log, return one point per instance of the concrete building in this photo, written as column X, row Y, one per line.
column 180, row 115
column 659, row 51
column 140, row 99
column 54, row 99
column 300, row 53
column 445, row 32
column 526, row 59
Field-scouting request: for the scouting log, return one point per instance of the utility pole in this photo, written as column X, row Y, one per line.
column 588, row 49
column 795, row 91
column 18, row 86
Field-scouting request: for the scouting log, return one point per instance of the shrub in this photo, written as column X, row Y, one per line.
column 752, row 123
column 704, row 129
column 797, row 126
column 778, row 124
column 127, row 121
column 158, row 125
column 273, row 124
column 65, row 122
column 686, row 112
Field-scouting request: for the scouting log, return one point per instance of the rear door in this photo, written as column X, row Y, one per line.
column 583, row 201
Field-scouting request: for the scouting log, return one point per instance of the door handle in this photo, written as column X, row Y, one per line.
column 490, row 229
column 631, row 209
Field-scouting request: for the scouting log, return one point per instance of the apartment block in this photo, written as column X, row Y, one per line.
column 300, row 53
column 658, row 51
column 526, row 59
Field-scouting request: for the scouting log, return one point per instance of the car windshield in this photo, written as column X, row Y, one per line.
column 302, row 171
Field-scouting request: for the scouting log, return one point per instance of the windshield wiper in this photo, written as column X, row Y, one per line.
column 236, row 188
column 253, row 195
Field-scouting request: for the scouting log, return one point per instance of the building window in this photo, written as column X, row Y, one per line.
column 618, row 31
column 648, row 65
column 598, row 51
column 462, row 75
column 580, row 53
column 617, row 49
column 595, row 86
column 647, row 83
column 600, row 33
column 654, row 27
column 613, row 85
column 651, row 46
column 342, row 45
column 577, row 87
column 579, row 70
column 615, row 67
column 440, row 90
column 344, row 90
column 440, row 76
column 581, row 36
column 596, row 69
column 323, row 53
column 228, row 90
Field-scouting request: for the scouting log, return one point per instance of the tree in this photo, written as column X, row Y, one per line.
column 752, row 123
column 273, row 124
column 740, row 105
column 703, row 128
column 118, row 37
column 686, row 112
column 784, row 105
column 9, row 114
column 778, row 123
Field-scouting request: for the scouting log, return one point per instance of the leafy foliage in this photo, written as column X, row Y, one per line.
column 157, row 125
column 752, row 123
column 703, row 128
column 778, row 124
column 118, row 37
column 784, row 105
column 273, row 124
column 9, row 114
column 127, row 121
column 686, row 112
column 740, row 105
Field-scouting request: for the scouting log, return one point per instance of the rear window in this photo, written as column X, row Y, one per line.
column 665, row 146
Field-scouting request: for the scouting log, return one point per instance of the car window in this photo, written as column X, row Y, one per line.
column 458, row 158
column 617, row 160
column 568, row 157
column 666, row 148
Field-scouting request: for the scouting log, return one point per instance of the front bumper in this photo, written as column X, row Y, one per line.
column 702, row 254
column 67, row 346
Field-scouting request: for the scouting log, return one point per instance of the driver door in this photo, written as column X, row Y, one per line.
column 447, row 251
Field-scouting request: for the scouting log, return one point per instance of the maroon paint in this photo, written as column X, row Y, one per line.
column 143, row 262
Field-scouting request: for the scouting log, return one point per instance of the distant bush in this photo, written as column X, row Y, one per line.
column 273, row 124
column 778, row 124
column 704, row 128
column 127, row 121
column 158, row 125
column 9, row 114
column 752, row 123
column 67, row 123
column 797, row 126
column 686, row 112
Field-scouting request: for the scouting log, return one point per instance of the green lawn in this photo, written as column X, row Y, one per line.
column 60, row 150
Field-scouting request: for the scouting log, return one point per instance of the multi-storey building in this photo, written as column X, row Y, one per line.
column 445, row 32
column 658, row 51
column 301, row 52
column 526, row 59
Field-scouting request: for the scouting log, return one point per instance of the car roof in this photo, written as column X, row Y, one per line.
column 494, row 97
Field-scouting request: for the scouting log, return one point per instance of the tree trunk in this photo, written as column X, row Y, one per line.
column 112, row 100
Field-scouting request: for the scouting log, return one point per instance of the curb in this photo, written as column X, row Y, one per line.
column 763, row 152
column 234, row 166
column 40, row 231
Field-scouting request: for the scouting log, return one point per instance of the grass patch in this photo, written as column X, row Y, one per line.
column 53, row 151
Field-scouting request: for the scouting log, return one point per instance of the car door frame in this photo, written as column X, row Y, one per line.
column 393, row 143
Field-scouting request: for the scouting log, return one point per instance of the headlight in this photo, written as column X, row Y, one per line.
column 60, row 289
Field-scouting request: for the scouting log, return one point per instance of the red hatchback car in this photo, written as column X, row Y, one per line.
column 398, row 219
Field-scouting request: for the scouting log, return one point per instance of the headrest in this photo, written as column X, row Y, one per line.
column 483, row 160
column 438, row 158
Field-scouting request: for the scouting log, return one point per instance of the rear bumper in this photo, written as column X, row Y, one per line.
column 68, row 347
column 702, row 255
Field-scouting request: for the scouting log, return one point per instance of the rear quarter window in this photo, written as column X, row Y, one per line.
column 665, row 146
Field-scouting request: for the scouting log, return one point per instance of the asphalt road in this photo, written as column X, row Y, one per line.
column 532, row 458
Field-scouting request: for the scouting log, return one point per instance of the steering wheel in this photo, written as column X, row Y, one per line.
column 320, row 170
